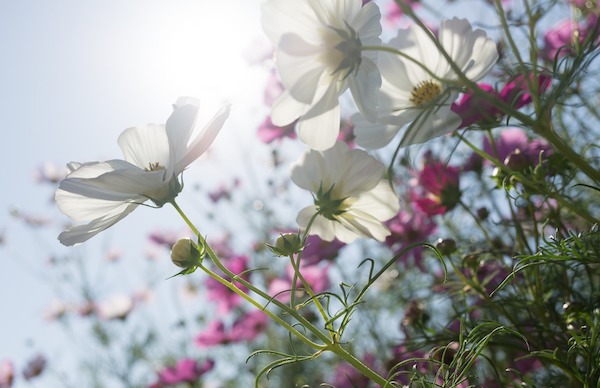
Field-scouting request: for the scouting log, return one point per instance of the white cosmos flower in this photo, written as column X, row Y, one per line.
column 352, row 197
column 409, row 93
column 318, row 56
column 102, row 193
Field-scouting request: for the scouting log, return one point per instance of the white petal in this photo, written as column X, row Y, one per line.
column 301, row 72
column 145, row 144
column 321, row 226
column 286, row 109
column 204, row 139
column 361, row 173
column 307, row 171
column 179, row 128
column 372, row 136
column 364, row 87
column 320, row 126
column 381, row 202
column 81, row 233
column 429, row 126
column 363, row 225
column 367, row 23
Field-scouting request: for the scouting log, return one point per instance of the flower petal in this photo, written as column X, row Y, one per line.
column 204, row 139
column 364, row 87
column 82, row 233
column 320, row 126
column 144, row 145
column 286, row 110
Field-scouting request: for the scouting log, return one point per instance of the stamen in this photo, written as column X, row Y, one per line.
column 153, row 167
column 425, row 92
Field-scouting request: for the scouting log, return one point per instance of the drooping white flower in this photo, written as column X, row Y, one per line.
column 351, row 196
column 412, row 94
column 102, row 193
column 318, row 56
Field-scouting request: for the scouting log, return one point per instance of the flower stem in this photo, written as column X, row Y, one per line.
column 290, row 311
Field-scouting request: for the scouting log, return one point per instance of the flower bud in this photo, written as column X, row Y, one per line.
column 185, row 253
column 287, row 244
column 446, row 246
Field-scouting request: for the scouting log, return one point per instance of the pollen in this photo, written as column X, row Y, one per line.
column 425, row 92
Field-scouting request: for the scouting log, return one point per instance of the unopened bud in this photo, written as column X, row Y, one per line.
column 446, row 246
column 287, row 244
column 185, row 253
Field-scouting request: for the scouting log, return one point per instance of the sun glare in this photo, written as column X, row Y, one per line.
column 201, row 50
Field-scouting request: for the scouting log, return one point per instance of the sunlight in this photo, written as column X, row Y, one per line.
column 200, row 50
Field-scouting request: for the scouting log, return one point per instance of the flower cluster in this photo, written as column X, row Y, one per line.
column 495, row 302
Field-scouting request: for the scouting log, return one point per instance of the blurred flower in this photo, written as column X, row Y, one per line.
column 347, row 376
column 352, row 197
column 30, row 219
column 226, row 299
column 7, row 374
column 409, row 93
column 318, row 56
column 409, row 227
column 316, row 249
column 186, row 370
column 247, row 327
column 437, row 188
column 34, row 367
column 394, row 13
column 224, row 191
column 473, row 109
column 166, row 238
column 116, row 307
column 268, row 132
column 316, row 276
column 512, row 143
column 56, row 310
column 155, row 156
column 49, row 173
column 113, row 255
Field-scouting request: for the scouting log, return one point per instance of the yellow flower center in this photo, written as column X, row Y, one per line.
column 425, row 92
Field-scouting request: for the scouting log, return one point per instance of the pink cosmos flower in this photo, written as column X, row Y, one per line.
column 347, row 376
column 514, row 141
column 245, row 328
column 317, row 249
column 409, row 227
column 269, row 132
column 560, row 40
column 224, row 191
column 186, row 370
column 315, row 276
column 475, row 110
column 437, row 190
column 393, row 12
column 7, row 374
column 226, row 299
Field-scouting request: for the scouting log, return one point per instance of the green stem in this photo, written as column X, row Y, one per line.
column 358, row 364
column 307, row 324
